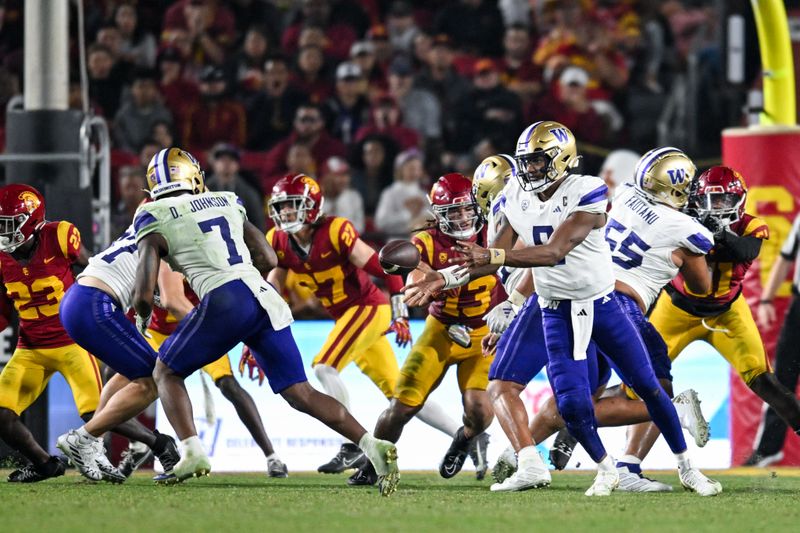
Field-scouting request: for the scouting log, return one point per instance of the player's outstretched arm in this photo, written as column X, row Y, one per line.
column 566, row 237
column 264, row 257
column 694, row 268
column 151, row 248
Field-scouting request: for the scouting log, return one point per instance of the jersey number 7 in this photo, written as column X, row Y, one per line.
column 208, row 226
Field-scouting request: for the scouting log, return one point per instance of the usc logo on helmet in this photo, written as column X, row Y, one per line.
column 313, row 188
column 30, row 200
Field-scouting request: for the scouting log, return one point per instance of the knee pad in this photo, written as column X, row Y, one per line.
column 576, row 409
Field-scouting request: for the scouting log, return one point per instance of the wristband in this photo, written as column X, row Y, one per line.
column 517, row 298
column 399, row 307
column 497, row 256
column 451, row 279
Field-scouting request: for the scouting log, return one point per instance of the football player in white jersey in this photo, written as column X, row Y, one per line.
column 560, row 216
column 93, row 313
column 651, row 241
column 206, row 237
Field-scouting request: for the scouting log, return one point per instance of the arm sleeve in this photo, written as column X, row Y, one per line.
column 393, row 282
column 733, row 248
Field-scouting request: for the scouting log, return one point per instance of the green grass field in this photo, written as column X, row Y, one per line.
column 753, row 500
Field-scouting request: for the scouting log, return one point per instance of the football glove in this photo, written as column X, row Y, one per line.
column 247, row 360
column 399, row 323
column 501, row 315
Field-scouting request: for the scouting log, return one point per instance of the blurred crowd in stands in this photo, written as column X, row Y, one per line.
column 371, row 97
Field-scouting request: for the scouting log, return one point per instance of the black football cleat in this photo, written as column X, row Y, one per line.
column 477, row 453
column 453, row 460
column 561, row 452
column 169, row 456
column 54, row 467
column 133, row 457
column 349, row 456
column 364, row 476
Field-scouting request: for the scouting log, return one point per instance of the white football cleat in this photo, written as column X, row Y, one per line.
column 694, row 480
column 81, row 453
column 110, row 472
column 632, row 482
column 530, row 477
column 194, row 461
column 505, row 466
column 692, row 420
column 604, row 483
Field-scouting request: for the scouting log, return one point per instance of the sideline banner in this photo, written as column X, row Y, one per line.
column 769, row 160
column 304, row 444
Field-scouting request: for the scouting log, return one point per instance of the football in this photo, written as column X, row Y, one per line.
column 398, row 257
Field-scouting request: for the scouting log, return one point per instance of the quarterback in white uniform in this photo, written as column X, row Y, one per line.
column 206, row 237
column 560, row 217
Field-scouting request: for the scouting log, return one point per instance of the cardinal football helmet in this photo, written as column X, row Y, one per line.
column 173, row 169
column 454, row 206
column 719, row 193
column 550, row 144
column 21, row 215
column 489, row 179
column 296, row 200
column 664, row 175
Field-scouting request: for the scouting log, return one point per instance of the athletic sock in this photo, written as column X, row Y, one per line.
column 683, row 461
column 529, row 456
column 436, row 417
column 606, row 465
column 631, row 462
column 84, row 435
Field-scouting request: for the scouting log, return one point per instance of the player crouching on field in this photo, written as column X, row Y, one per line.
column 453, row 330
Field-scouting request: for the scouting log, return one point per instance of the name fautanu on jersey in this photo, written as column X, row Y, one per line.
column 641, row 208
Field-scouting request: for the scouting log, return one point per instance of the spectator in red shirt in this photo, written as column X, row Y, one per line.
column 340, row 36
column 217, row 118
column 178, row 92
column 571, row 106
column 387, row 121
column 517, row 71
column 245, row 68
column 311, row 77
column 211, row 27
column 309, row 128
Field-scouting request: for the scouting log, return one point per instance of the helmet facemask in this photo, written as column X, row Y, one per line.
column 724, row 207
column 11, row 235
column 460, row 220
column 290, row 213
column 538, row 180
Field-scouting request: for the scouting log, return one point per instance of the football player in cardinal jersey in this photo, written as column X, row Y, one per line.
column 453, row 331
column 36, row 259
column 720, row 316
column 327, row 256
column 206, row 237
column 560, row 217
